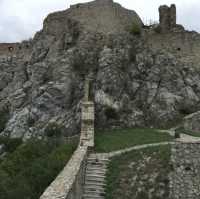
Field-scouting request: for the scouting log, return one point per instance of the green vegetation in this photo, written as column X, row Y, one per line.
column 122, row 138
column 31, row 168
column 10, row 144
column 188, row 132
column 139, row 174
column 53, row 130
column 135, row 29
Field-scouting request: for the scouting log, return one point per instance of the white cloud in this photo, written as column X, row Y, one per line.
column 20, row 19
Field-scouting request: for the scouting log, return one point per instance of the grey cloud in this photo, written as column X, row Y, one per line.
column 12, row 29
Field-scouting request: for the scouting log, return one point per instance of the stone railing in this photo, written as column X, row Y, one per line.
column 69, row 183
column 87, row 124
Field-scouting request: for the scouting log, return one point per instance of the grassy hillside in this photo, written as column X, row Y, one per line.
column 140, row 175
column 118, row 139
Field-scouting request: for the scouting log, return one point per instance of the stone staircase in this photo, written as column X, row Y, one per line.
column 94, row 187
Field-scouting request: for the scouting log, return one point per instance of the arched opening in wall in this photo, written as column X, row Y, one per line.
column 10, row 48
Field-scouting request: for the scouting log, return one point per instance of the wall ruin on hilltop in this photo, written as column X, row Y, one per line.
column 103, row 16
column 167, row 17
column 8, row 48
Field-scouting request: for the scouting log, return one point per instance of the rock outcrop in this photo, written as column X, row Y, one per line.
column 146, row 79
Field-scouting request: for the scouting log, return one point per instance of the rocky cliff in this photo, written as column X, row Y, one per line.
column 139, row 78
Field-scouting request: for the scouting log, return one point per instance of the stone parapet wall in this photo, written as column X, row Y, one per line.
column 87, row 124
column 185, row 178
column 69, row 183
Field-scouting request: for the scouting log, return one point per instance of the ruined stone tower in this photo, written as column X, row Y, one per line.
column 167, row 17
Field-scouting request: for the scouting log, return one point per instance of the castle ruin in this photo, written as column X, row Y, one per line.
column 167, row 17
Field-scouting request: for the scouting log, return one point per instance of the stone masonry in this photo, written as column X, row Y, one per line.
column 167, row 17
column 87, row 118
column 70, row 182
column 185, row 178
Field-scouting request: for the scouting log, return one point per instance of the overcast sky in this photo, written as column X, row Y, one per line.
column 20, row 19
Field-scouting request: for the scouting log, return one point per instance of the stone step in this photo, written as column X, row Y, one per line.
column 103, row 166
column 93, row 175
column 96, row 172
column 94, row 187
column 97, row 160
column 95, row 192
column 96, row 163
column 93, row 167
column 102, row 156
column 96, row 169
column 99, row 184
column 101, row 180
column 92, row 196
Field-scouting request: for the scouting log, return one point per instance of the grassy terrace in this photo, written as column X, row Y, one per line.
column 119, row 139
column 26, row 172
column 139, row 174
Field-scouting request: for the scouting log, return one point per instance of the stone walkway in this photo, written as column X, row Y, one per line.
column 96, row 168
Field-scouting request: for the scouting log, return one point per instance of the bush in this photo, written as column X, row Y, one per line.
column 10, row 144
column 31, row 168
column 135, row 29
column 53, row 130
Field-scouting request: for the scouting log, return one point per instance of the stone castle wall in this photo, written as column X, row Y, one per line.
column 8, row 48
column 69, row 183
column 11, row 51
column 185, row 46
column 185, row 178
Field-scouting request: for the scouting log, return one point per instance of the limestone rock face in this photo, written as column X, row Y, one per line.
column 149, row 80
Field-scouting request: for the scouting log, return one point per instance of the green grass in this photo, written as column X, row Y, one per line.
column 112, row 140
column 188, row 132
column 136, row 174
column 27, row 171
